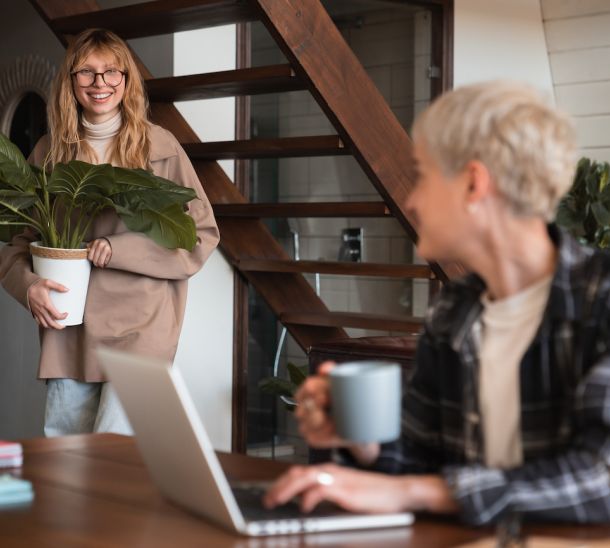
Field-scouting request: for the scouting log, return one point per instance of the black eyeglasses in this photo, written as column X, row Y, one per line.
column 111, row 77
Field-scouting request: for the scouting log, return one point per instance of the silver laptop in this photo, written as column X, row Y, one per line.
column 182, row 462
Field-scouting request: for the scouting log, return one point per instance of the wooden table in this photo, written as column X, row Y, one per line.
column 93, row 491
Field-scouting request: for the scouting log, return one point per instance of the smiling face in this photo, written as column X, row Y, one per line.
column 99, row 101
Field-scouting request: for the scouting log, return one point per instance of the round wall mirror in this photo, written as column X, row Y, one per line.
column 25, row 86
column 29, row 122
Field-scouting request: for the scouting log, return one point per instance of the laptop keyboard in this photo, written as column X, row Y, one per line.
column 249, row 501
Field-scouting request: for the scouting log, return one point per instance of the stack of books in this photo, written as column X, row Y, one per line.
column 11, row 454
column 15, row 491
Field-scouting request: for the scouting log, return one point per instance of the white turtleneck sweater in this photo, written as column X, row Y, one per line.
column 100, row 136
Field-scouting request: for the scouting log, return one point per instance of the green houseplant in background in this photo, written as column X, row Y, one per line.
column 60, row 206
column 585, row 210
column 285, row 388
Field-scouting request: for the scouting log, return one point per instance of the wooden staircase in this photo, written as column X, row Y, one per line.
column 319, row 61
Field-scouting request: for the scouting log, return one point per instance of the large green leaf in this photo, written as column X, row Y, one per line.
column 14, row 204
column 592, row 180
column 81, row 184
column 15, row 172
column 154, row 206
column 569, row 216
column 601, row 214
column 276, row 386
column 135, row 199
column 297, row 373
column 170, row 227
column 140, row 186
column 14, row 200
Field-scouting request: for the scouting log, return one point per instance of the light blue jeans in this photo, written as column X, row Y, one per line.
column 75, row 407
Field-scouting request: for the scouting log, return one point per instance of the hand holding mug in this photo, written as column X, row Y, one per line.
column 313, row 402
column 355, row 406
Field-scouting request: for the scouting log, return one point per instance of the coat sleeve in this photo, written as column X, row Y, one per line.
column 572, row 486
column 16, row 274
column 135, row 252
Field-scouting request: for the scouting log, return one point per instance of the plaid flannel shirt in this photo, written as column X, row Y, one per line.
column 565, row 401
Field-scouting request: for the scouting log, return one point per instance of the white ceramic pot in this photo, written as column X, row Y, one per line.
column 69, row 267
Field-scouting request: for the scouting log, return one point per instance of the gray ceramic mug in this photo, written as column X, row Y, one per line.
column 365, row 401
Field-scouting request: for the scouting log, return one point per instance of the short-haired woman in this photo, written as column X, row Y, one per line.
column 507, row 409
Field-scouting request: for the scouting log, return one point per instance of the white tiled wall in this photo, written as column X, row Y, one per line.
column 578, row 41
column 394, row 48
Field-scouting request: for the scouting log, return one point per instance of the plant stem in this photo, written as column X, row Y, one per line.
column 50, row 232
column 65, row 234
column 78, row 236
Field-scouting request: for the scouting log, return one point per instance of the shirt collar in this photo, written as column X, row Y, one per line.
column 459, row 306
column 571, row 277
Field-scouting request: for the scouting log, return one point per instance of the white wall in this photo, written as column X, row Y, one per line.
column 205, row 352
column 578, row 37
column 500, row 39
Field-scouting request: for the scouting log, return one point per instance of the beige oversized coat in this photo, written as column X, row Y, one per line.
column 137, row 302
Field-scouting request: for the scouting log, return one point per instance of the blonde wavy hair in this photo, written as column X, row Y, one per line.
column 527, row 144
column 131, row 146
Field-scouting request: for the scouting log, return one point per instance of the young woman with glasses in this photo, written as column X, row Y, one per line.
column 97, row 113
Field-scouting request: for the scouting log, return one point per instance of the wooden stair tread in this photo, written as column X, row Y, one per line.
column 336, row 268
column 381, row 322
column 159, row 17
column 249, row 81
column 287, row 147
column 302, row 209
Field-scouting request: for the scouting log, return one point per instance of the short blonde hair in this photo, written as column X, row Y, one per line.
column 528, row 146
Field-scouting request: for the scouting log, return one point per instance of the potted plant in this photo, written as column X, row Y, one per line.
column 285, row 388
column 585, row 209
column 61, row 204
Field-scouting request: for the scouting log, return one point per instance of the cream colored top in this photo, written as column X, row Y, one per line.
column 509, row 326
column 100, row 136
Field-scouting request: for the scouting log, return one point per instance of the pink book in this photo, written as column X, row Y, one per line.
column 9, row 449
